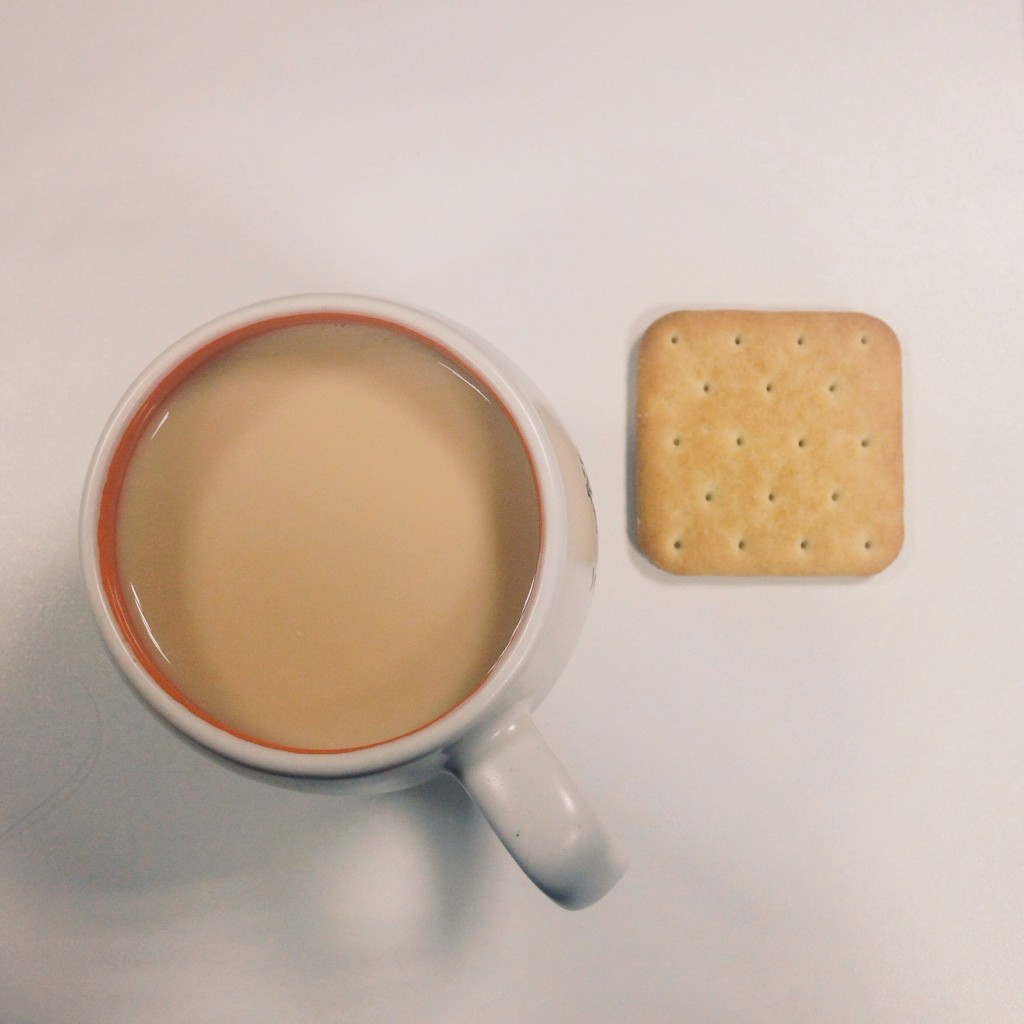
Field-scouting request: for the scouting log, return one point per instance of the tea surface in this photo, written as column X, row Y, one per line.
column 328, row 535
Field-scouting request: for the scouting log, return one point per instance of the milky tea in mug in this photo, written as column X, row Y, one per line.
column 325, row 533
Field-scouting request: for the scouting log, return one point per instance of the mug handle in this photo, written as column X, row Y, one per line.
column 538, row 811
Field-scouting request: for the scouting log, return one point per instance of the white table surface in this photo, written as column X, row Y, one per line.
column 821, row 783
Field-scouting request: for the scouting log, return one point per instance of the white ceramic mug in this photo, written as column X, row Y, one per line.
column 489, row 741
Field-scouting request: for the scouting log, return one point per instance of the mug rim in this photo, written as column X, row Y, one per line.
column 166, row 372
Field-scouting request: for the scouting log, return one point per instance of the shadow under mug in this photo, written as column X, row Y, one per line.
column 488, row 741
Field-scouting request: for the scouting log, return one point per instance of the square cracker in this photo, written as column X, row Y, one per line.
column 769, row 444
